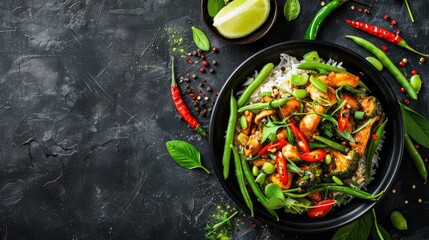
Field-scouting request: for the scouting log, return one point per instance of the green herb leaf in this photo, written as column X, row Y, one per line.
column 185, row 154
column 270, row 130
column 416, row 125
column 214, row 6
column 358, row 230
column 292, row 9
column 293, row 206
column 273, row 191
column 375, row 235
column 200, row 39
column 274, row 203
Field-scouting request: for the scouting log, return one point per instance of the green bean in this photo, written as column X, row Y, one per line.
column 268, row 105
column 416, row 157
column 313, row 28
column 387, row 63
column 331, row 143
column 229, row 135
column 318, row 66
column 372, row 147
column 318, row 84
column 240, row 179
column 255, row 188
column 255, row 84
column 316, row 145
column 336, row 188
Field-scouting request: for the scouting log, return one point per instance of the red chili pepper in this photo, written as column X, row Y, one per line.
column 313, row 156
column 181, row 105
column 343, row 117
column 282, row 168
column 299, row 138
column 321, row 208
column 269, row 147
column 383, row 34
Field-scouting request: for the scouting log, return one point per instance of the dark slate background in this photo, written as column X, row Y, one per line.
column 85, row 112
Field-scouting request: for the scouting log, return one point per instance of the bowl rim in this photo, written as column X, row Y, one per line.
column 384, row 184
column 268, row 24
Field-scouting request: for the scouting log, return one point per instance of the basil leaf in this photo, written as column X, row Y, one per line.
column 214, row 6
column 357, row 230
column 274, row 203
column 292, row 9
column 200, row 39
column 274, row 191
column 185, row 154
column 269, row 131
column 416, row 125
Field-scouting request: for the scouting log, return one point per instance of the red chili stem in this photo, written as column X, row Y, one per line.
column 181, row 107
column 383, row 34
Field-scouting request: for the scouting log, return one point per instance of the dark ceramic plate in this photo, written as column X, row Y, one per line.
column 254, row 36
column 391, row 153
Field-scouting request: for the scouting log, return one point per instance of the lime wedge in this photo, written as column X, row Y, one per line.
column 241, row 17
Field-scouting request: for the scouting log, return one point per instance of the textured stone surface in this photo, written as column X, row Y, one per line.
column 85, row 112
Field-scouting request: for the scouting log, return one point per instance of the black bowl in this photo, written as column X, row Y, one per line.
column 254, row 36
column 391, row 153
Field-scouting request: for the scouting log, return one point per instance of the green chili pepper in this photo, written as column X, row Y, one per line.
column 375, row 62
column 268, row 105
column 255, row 188
column 416, row 157
column 240, row 179
column 372, row 147
column 319, row 66
column 331, row 143
column 313, row 28
column 318, row 84
column 398, row 220
column 255, row 84
column 229, row 135
column 312, row 56
column 387, row 63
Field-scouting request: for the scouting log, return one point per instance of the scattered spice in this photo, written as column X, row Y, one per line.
column 422, row 60
column 386, row 17
column 322, row 4
column 417, row 146
column 202, row 70
column 402, row 64
column 211, row 70
column 205, row 63
column 420, row 200
column 407, row 101
column 366, row 11
column 406, row 201
column 214, row 62
column 398, row 31
column 402, row 90
column 360, row 9
column 203, row 56
column 384, row 48
column 404, row 60
column 413, row 186
column 393, row 22
column 215, row 50
column 393, row 190
column 194, row 76
column 413, row 72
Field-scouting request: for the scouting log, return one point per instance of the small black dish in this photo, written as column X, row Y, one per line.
column 254, row 36
column 391, row 153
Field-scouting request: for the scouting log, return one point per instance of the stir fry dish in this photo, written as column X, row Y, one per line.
column 304, row 136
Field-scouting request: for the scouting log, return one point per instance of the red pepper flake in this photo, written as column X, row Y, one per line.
column 386, row 17
column 407, row 101
column 374, row 136
column 203, row 56
column 366, row 11
column 202, row 70
column 215, row 50
column 384, row 48
column 426, row 160
column 360, row 9
column 413, row 72
column 402, row 90
column 393, row 22
column 417, row 146
column 402, row 64
column 397, row 32
column 190, row 61
column 205, row 63
column 217, row 93
column 192, row 95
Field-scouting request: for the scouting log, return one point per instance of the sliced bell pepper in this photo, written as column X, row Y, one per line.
column 321, row 208
column 282, row 168
column 313, row 156
column 270, row 146
column 343, row 117
column 299, row 138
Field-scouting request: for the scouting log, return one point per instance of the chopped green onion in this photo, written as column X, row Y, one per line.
column 299, row 93
column 298, row 80
column 243, row 122
column 255, row 170
column 312, row 56
column 359, row 115
column 318, row 84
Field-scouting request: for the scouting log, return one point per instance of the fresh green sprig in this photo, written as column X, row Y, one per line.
column 224, row 223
